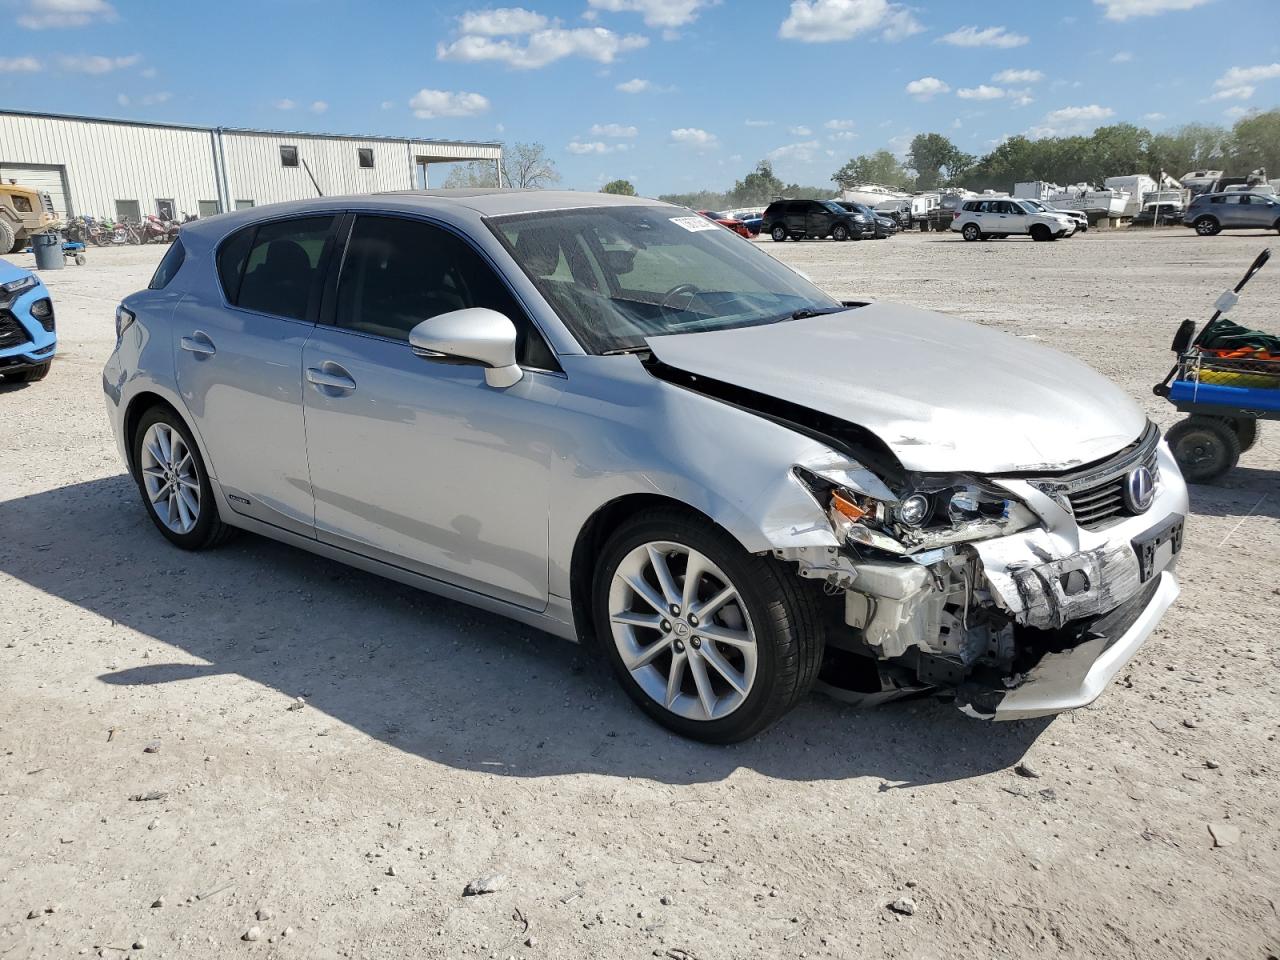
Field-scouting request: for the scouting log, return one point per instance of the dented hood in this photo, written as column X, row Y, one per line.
column 943, row 393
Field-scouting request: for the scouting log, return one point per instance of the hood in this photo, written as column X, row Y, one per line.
column 9, row 272
column 945, row 395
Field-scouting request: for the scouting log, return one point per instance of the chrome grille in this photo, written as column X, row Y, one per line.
column 1095, row 494
column 12, row 333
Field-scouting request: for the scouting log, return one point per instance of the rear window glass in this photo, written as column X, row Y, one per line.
column 168, row 266
column 274, row 268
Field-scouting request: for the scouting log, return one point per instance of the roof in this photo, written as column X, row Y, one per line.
column 246, row 130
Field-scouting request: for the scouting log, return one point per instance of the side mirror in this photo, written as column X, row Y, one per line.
column 475, row 336
column 1182, row 339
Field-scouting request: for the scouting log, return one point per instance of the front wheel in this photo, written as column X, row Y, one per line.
column 174, row 483
column 840, row 232
column 1205, row 447
column 1041, row 233
column 32, row 374
column 710, row 641
column 971, row 232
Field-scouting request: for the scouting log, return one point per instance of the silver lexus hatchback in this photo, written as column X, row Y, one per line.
column 615, row 420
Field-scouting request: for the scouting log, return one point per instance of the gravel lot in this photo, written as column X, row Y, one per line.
column 438, row 744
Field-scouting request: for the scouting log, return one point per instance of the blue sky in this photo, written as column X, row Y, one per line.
column 672, row 94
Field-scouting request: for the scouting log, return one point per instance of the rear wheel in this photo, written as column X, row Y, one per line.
column 779, row 233
column 709, row 640
column 1041, row 233
column 1205, row 447
column 6, row 237
column 971, row 232
column 1207, row 226
column 174, row 483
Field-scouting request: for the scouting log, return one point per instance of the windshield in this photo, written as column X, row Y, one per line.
column 1034, row 204
column 835, row 207
column 616, row 275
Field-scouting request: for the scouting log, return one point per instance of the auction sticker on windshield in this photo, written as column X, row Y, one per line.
column 694, row 224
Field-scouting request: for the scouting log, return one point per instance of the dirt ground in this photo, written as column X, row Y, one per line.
column 438, row 744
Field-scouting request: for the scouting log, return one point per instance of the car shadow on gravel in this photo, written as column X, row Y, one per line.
column 1243, row 492
column 429, row 676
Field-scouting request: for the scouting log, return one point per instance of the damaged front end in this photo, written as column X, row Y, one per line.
column 1022, row 595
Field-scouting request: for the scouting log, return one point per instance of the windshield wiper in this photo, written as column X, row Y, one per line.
column 639, row 348
column 804, row 313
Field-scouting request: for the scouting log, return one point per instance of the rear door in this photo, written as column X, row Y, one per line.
column 238, row 357
column 797, row 217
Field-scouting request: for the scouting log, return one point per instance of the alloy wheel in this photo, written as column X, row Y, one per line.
column 170, row 478
column 682, row 630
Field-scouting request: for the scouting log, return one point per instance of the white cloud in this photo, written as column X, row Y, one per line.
column 429, row 104
column 1153, row 117
column 803, row 152
column 96, row 65
column 52, row 14
column 613, row 130
column 657, row 13
column 19, row 65
column 318, row 106
column 1069, row 120
column 800, row 131
column 1018, row 76
column 635, row 85
column 981, row 92
column 839, row 124
column 146, row 100
column 150, row 73
column 387, row 104
column 1122, row 56
column 1236, row 112
column 1235, row 93
column 542, row 47
column 694, row 137
column 759, row 123
column 595, row 146
column 1243, row 76
column 826, row 21
column 926, row 88
column 1022, row 98
column 504, row 21
column 988, row 37
column 843, row 135
column 285, row 104
column 1124, row 9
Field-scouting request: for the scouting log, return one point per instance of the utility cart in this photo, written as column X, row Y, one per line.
column 1227, row 379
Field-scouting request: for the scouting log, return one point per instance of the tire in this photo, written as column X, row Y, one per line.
column 32, row 374
column 771, row 607
column 1205, row 447
column 1276, row 226
column 81, row 260
column 207, row 529
column 7, row 238
column 840, row 232
column 779, row 233
column 1208, row 227
column 971, row 232
column 1040, row 233
column 1245, row 429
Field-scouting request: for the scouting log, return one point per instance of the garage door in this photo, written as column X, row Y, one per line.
column 51, row 180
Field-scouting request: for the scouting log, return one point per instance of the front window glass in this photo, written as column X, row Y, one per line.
column 616, row 275
column 834, row 207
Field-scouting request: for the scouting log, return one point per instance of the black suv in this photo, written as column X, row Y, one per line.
column 800, row 219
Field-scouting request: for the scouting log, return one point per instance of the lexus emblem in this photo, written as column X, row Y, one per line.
column 1139, row 490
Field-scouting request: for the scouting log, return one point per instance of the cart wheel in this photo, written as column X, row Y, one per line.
column 80, row 260
column 1205, row 447
column 1246, row 430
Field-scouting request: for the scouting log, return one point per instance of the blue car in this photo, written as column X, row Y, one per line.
column 27, row 336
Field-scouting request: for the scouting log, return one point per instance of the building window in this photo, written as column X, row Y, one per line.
column 165, row 210
column 365, row 157
column 288, row 156
column 244, row 204
column 128, row 211
column 209, row 208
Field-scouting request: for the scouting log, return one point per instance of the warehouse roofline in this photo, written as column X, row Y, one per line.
column 197, row 128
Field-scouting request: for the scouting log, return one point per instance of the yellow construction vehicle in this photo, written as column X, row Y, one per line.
column 23, row 212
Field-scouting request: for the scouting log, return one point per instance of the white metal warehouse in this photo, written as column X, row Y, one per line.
column 127, row 169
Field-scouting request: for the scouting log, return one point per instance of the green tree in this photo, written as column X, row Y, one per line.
column 880, row 167
column 937, row 161
column 622, row 187
column 1255, row 143
column 759, row 186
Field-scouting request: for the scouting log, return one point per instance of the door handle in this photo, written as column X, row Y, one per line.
column 334, row 377
column 199, row 343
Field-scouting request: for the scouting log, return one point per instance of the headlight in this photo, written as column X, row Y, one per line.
column 15, row 287
column 914, row 510
column 858, row 218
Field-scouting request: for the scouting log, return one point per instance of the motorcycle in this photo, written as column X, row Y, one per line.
column 155, row 230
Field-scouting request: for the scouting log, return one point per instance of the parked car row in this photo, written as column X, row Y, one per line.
column 818, row 219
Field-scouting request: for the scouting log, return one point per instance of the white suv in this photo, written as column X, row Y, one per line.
column 1004, row 217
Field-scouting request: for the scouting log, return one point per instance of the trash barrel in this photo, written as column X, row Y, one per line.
column 48, row 249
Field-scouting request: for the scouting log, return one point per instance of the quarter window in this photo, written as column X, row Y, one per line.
column 364, row 156
column 273, row 268
column 168, row 266
column 288, row 156
column 399, row 272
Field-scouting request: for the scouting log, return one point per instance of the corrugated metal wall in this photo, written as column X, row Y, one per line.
column 107, row 161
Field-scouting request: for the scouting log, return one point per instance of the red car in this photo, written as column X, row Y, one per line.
column 729, row 223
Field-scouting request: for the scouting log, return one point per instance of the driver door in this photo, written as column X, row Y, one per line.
column 419, row 463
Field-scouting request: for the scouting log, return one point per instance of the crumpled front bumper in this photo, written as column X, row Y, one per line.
column 1076, row 675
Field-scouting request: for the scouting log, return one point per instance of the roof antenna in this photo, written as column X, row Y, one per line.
column 306, row 167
